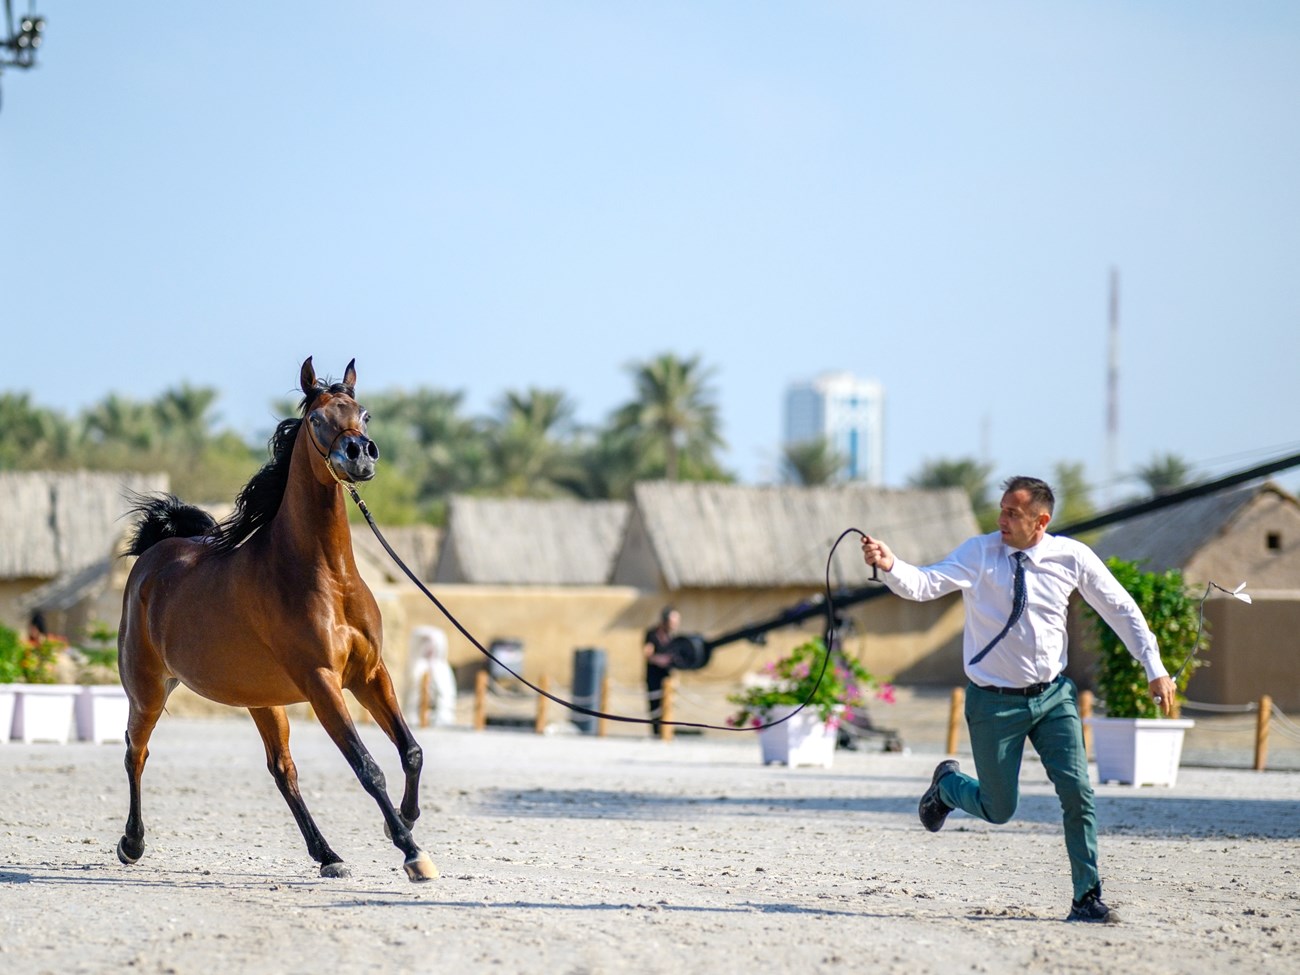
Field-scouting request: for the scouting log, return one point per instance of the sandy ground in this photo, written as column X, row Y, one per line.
column 572, row 854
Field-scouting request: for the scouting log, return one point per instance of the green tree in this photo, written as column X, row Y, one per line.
column 1073, row 494
column 527, row 449
column 184, row 415
column 605, row 465
column 673, row 419
column 423, row 435
column 1165, row 473
column 969, row 475
column 31, row 437
column 811, row 462
column 120, row 423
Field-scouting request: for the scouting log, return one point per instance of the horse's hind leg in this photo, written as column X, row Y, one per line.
column 146, row 705
column 274, row 728
column 377, row 697
column 326, row 697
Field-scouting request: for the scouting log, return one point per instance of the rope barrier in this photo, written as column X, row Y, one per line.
column 1221, row 708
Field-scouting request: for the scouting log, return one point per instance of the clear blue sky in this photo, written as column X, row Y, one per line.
column 486, row 196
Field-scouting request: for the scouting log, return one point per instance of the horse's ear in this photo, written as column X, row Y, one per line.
column 350, row 374
column 307, row 380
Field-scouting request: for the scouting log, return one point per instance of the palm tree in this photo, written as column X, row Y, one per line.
column 31, row 436
column 1073, row 494
column 526, row 445
column 674, row 419
column 1165, row 473
column 119, row 422
column 185, row 415
column 966, row 473
column 423, row 434
column 812, row 462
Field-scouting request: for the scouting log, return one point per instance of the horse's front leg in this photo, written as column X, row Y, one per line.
column 326, row 697
column 273, row 725
column 377, row 697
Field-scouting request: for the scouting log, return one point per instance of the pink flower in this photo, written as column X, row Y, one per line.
column 755, row 722
column 886, row 693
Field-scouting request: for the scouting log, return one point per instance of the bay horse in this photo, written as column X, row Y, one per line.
column 266, row 609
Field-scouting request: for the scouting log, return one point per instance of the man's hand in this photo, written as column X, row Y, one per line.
column 1163, row 691
column 876, row 552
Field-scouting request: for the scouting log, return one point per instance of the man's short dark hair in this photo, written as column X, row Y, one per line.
column 1040, row 492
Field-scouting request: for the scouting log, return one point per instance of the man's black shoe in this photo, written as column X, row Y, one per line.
column 933, row 810
column 1091, row 909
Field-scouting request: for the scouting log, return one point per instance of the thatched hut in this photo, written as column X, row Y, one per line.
column 59, row 535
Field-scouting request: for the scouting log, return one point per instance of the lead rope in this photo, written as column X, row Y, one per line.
column 572, row 706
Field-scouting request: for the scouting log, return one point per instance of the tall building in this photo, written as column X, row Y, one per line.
column 847, row 411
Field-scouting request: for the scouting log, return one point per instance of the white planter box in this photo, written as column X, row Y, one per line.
column 43, row 712
column 803, row 740
column 101, row 713
column 8, row 694
column 1138, row 751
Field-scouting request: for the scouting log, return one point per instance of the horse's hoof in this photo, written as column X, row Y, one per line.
column 125, row 856
column 339, row 869
column 420, row 868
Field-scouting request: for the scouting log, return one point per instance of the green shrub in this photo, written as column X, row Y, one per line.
column 1173, row 615
column 11, row 655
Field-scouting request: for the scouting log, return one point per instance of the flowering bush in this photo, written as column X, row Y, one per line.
column 845, row 685
column 27, row 663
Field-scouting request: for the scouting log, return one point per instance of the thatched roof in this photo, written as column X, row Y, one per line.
column 529, row 542
column 1170, row 537
column 53, row 524
column 416, row 544
column 697, row 535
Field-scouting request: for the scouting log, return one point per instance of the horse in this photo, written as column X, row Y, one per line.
column 266, row 609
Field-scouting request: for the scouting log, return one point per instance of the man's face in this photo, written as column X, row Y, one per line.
column 1021, row 522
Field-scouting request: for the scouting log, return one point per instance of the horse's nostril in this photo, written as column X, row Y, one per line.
column 353, row 451
column 372, row 450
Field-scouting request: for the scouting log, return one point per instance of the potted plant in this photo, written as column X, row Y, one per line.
column 102, row 707
column 42, row 708
column 1133, row 744
column 11, row 652
column 807, row 738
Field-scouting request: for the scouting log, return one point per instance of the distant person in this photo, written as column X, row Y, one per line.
column 429, row 656
column 659, row 663
column 37, row 631
column 1016, row 585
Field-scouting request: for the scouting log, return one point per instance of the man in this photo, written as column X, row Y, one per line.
column 1016, row 585
column 659, row 663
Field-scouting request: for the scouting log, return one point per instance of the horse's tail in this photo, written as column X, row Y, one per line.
column 166, row 516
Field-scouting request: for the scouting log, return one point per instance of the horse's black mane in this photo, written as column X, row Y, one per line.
column 259, row 500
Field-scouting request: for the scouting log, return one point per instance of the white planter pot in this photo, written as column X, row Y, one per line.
column 101, row 713
column 43, row 712
column 803, row 740
column 8, row 695
column 1138, row 751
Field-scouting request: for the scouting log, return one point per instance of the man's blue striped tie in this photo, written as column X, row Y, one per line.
column 1018, row 600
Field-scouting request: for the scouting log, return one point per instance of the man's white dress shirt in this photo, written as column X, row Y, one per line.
column 1034, row 650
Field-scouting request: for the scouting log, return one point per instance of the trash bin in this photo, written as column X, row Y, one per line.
column 509, row 652
column 588, row 675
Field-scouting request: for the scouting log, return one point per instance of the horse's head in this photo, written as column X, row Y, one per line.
column 336, row 424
